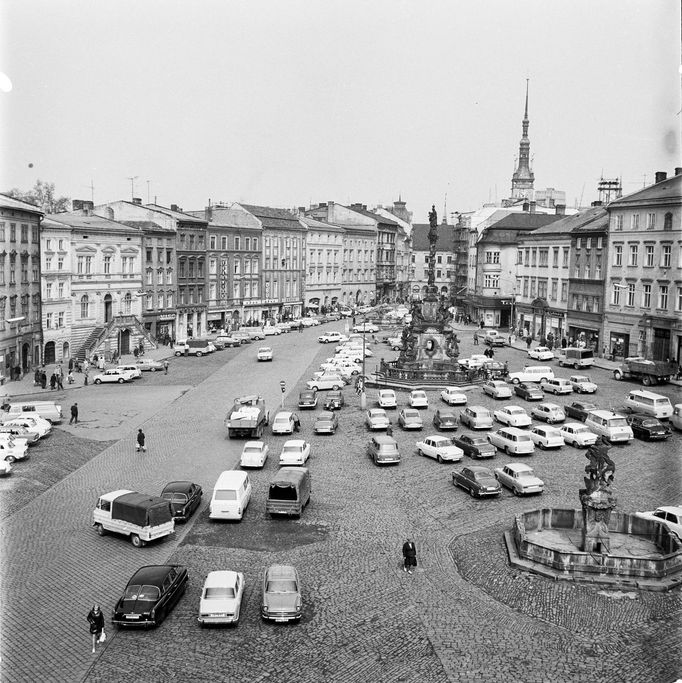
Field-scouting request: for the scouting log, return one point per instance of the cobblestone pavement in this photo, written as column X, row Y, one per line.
column 465, row 615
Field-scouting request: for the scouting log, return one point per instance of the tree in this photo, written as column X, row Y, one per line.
column 42, row 195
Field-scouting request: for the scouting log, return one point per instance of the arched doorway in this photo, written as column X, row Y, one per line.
column 25, row 357
column 66, row 351
column 123, row 342
column 49, row 355
column 107, row 308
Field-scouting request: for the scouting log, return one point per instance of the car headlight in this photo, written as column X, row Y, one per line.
column 265, row 608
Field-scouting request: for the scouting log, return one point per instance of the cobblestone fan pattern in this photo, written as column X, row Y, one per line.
column 463, row 616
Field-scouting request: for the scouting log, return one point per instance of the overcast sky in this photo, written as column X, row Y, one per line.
column 288, row 102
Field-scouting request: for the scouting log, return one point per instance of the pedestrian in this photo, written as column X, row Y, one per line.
column 529, row 341
column 74, row 414
column 36, row 377
column 491, row 353
column 53, row 381
column 141, row 441
column 135, row 352
column 389, row 430
column 300, row 328
column 475, row 338
column 70, row 364
column 100, row 362
column 58, row 370
column 297, row 422
column 86, row 365
column 69, row 378
column 409, row 556
column 85, row 378
column 96, row 620
column 165, row 367
column 60, row 381
column 43, row 379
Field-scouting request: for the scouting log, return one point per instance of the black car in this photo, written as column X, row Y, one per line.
column 529, row 392
column 648, row 428
column 580, row 409
column 444, row 418
column 150, row 595
column 184, row 497
column 480, row 482
column 307, row 399
column 334, row 400
column 474, row 446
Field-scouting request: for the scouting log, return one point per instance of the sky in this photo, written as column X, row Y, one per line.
column 291, row 102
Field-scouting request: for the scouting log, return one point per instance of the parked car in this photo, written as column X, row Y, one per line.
column 476, row 417
column 610, row 425
column 546, row 437
column 512, row 440
column 676, row 417
column 254, row 454
column 33, row 424
column 12, row 449
column 579, row 410
column 334, row 400
column 307, row 399
column 478, row 481
column 272, row 330
column 221, row 598
column 670, row 515
column 550, row 413
column 184, row 497
column 383, row 450
column 497, row 389
column 332, row 338
column 474, row 446
column 582, row 384
column 5, row 467
column 395, row 343
column 648, row 428
column 326, row 423
column 132, row 368
column 541, row 353
column 114, row 375
column 513, row 416
column 284, row 422
column 444, row 418
column 264, row 353
column 475, row 361
column 520, row 478
column 231, row 340
column 281, row 598
column 409, row 418
column 577, row 434
column 557, row 385
column 149, row 365
column 528, row 392
column 418, row 399
column 440, row 448
column 31, row 437
column 150, row 595
column 493, row 338
column 326, row 381
column 294, row 452
column 387, row 398
column 376, row 418
column 366, row 327
column 453, row 396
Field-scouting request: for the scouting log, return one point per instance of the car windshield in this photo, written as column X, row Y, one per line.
column 376, row 413
column 411, row 413
column 418, row 394
column 440, row 443
column 523, row 437
column 291, row 449
column 137, row 592
column 479, row 476
column 219, row 593
column 478, row 441
column 281, row 586
column 174, row 497
column 617, row 422
column 225, row 495
column 252, row 450
column 650, row 423
column 580, row 378
column 525, row 474
column 282, row 420
column 580, row 430
column 515, row 411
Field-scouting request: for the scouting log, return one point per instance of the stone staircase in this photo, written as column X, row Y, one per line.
column 106, row 339
column 89, row 343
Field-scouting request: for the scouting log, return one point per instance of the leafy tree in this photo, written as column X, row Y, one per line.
column 42, row 195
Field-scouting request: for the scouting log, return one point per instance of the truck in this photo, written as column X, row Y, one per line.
column 247, row 417
column 141, row 517
column 648, row 371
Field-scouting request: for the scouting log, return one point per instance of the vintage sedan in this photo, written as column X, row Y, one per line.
column 34, row 423
column 409, row 418
column 264, row 353
column 294, row 452
column 476, row 417
column 184, row 497
column 281, row 597
column 5, row 467
column 132, row 368
column 453, row 396
column 474, row 446
column 551, row 413
column 546, row 437
column 440, row 448
column 670, row 515
column 150, row 595
column 577, row 434
column 334, row 400
column 254, row 454
column 475, row 361
column 31, row 437
column 648, row 428
column 528, row 392
column 376, row 418
column 579, row 410
column 326, row 423
column 478, row 481
column 113, row 375
column 326, row 381
column 307, row 399
column 541, row 353
column 366, row 327
column 149, row 365
column 231, row 340
column 512, row 440
column 387, row 399
column 520, row 478
column 497, row 388
column 221, row 598
column 444, row 418
column 284, row 422
column 512, row 416
column 332, row 338
column 418, row 399
column 582, row 384
column 13, row 449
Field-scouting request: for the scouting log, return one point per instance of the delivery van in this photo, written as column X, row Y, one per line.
column 532, row 373
column 231, row 495
column 648, row 403
column 289, row 491
column 48, row 410
column 578, row 358
column 193, row 347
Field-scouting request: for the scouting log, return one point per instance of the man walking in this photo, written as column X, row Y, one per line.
column 409, row 556
column 60, row 381
column 74, row 414
column 165, row 367
column 141, row 441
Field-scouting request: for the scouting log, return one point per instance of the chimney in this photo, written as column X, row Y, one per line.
column 532, row 207
column 301, row 210
column 560, row 209
column 660, row 176
column 208, row 213
column 678, row 170
column 525, row 206
column 597, row 203
column 77, row 204
column 174, row 207
column 137, row 200
column 84, row 205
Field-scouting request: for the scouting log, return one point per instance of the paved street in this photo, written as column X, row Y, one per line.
column 465, row 615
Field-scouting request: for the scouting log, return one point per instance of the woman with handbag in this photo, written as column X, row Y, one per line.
column 96, row 620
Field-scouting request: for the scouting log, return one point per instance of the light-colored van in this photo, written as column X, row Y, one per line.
column 558, row 385
column 578, row 358
column 255, row 332
column 289, row 491
column 231, row 495
column 610, row 425
column 532, row 373
column 48, row 410
column 193, row 347
column 648, row 403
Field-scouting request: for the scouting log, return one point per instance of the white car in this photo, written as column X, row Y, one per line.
column 519, row 478
column 272, row 330
column 294, row 452
column 512, row 440
column 541, row 353
column 557, row 385
column 264, row 353
column 670, row 515
column 17, row 432
column 376, row 418
column 497, row 388
column 513, row 416
column 332, row 338
column 326, row 381
column 340, row 367
column 135, row 370
column 13, row 449
column 366, row 327
column 418, row 399
column 548, row 412
column 221, row 598
column 546, row 437
column 387, row 398
column 395, row 343
column 33, row 423
column 578, row 435
column 582, row 384
column 5, row 467
column 474, row 362
column 440, row 448
column 254, row 454
column 284, row 423
column 113, row 375
column 453, row 396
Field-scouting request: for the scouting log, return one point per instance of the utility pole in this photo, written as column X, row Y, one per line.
column 132, row 180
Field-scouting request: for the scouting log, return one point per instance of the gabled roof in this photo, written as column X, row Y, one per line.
column 569, row 223
column 227, row 217
column 524, row 221
column 370, row 214
column 92, row 223
column 314, row 224
column 273, row 218
column 420, row 237
column 177, row 215
column 668, row 189
column 148, row 226
column 11, row 203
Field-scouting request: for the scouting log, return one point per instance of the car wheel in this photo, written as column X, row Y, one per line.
column 120, row 380
column 100, row 530
column 98, row 381
column 136, row 541
column 617, row 375
column 507, row 451
column 516, row 492
column 646, row 381
column 516, row 380
column 336, row 387
column 420, row 452
column 541, row 446
column 11, row 459
column 439, row 459
column 199, row 354
column 177, row 353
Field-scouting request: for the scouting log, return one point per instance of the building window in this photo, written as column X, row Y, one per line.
column 48, row 290
column 525, row 286
column 24, row 232
column 519, row 257
column 526, row 260
column 596, row 304
column 191, row 270
column 533, row 257
column 542, row 289
column 646, row 296
column 181, row 268
column 634, row 221
column 60, row 319
column 663, row 296
column 564, row 262
column 169, row 256
column 576, row 270
column 48, row 262
column 60, row 263
column 149, row 302
column 631, row 294
column 84, row 306
column 579, row 243
column 615, row 294
column 599, row 242
column 532, row 287
column 491, row 280
column 618, row 255
column 150, row 277
column 48, row 321
column 544, row 257
column 555, row 257
column 191, row 241
column 12, row 232
column 255, row 248
column 237, row 266
column 597, row 268
column 212, row 242
column 668, row 221
column 490, row 257
column 149, row 255
column 634, row 249
column 237, row 243
column 564, row 291
column 666, row 255
column 555, row 288
column 60, row 290
column 650, row 221
column 619, row 222
column 169, row 299
column 678, row 304
column 127, row 303
column 649, row 255
column 36, row 275
column 160, row 300
column 588, row 243
column 223, row 243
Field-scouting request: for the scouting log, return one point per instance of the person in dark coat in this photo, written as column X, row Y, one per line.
column 529, row 341
column 409, row 556
column 60, row 381
column 141, row 441
column 96, row 621
column 43, row 380
column 74, row 414
column 53, row 381
column 70, row 364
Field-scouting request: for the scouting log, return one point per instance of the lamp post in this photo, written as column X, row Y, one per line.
column 363, row 395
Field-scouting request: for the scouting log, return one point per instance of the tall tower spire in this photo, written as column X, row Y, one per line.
column 523, row 178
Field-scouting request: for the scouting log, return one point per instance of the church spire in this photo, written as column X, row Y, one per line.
column 523, row 178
